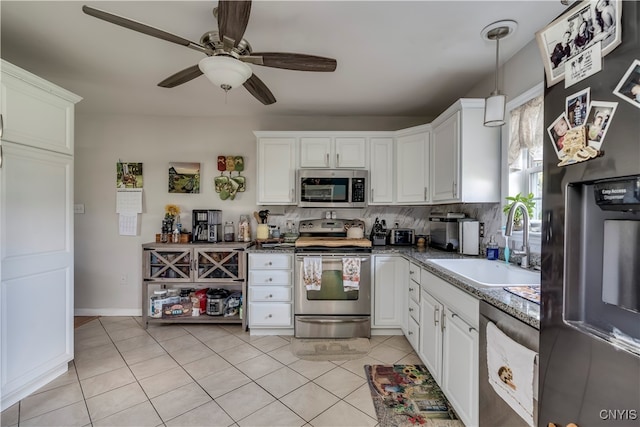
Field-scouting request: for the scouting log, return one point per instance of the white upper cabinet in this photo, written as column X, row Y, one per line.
column 465, row 156
column 38, row 113
column 412, row 166
column 381, row 171
column 276, row 170
column 333, row 152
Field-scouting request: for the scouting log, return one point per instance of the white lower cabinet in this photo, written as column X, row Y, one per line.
column 449, row 319
column 390, row 291
column 270, row 292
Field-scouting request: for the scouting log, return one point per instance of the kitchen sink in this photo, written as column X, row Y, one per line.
column 489, row 273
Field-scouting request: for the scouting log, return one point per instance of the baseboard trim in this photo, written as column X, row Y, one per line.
column 107, row 312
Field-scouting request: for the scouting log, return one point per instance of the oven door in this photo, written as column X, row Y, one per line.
column 333, row 298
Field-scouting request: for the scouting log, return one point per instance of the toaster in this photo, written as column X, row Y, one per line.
column 402, row 236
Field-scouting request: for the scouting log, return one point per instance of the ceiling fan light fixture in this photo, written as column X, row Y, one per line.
column 224, row 71
column 494, row 106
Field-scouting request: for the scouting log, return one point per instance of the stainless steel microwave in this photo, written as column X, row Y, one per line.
column 332, row 188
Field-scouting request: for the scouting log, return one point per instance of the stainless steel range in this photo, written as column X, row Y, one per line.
column 332, row 286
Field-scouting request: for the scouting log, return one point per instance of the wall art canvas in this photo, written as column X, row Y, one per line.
column 581, row 27
column 129, row 175
column 184, row 177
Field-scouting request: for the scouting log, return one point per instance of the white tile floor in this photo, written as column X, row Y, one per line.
column 202, row 375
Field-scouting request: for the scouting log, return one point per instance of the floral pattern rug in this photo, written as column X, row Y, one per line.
column 407, row 395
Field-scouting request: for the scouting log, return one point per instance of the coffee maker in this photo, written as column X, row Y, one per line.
column 207, row 225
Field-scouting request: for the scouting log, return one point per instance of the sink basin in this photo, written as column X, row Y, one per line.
column 489, row 273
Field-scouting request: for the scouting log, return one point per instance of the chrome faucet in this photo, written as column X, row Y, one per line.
column 524, row 252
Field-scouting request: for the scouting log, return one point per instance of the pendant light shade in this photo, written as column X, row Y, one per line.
column 494, row 109
column 494, row 106
column 224, row 71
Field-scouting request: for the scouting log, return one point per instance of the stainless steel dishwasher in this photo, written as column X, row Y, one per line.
column 493, row 411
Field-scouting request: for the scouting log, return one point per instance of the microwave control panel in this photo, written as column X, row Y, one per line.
column 358, row 190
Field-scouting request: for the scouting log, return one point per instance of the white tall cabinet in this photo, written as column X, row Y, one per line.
column 36, row 232
column 276, row 169
column 412, row 165
column 381, row 170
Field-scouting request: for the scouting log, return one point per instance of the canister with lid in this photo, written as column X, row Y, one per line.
column 156, row 301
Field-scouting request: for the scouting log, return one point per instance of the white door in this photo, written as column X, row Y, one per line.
column 431, row 335
column 445, row 159
column 276, row 171
column 390, row 291
column 36, row 212
column 351, row 152
column 315, row 152
column 412, row 168
column 381, row 171
column 460, row 367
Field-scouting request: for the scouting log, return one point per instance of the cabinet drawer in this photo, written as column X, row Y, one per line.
column 414, row 310
column 270, row 314
column 414, row 291
column 269, row 261
column 414, row 272
column 269, row 277
column 270, row 293
column 413, row 333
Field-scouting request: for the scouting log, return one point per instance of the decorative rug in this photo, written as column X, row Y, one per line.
column 407, row 395
column 330, row 349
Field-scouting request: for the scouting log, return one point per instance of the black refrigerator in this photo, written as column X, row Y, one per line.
column 590, row 302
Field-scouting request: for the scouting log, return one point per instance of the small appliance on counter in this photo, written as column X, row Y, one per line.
column 445, row 231
column 469, row 236
column 402, row 236
column 215, row 301
column 378, row 234
column 207, row 225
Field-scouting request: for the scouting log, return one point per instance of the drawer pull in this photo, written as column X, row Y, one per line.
column 269, row 263
column 270, row 316
column 270, row 296
column 270, row 279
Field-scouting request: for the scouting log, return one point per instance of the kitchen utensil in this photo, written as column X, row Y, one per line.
column 257, row 217
column 264, row 216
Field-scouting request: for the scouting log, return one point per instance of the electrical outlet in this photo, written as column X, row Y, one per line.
column 123, row 279
column 481, row 229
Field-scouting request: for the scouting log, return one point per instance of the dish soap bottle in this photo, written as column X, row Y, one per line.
column 492, row 249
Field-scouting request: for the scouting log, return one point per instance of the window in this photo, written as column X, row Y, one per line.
column 523, row 138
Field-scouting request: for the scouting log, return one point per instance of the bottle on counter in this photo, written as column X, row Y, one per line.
column 492, row 249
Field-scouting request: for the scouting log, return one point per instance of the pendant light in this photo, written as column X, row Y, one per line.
column 494, row 107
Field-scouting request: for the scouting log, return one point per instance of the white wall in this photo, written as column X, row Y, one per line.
column 102, row 257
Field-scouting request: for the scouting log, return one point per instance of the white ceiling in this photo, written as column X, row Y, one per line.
column 394, row 58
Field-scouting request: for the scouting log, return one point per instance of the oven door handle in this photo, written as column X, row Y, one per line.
column 362, row 259
column 319, row 320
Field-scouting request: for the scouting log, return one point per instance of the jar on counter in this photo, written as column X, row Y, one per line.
column 229, row 231
column 155, row 303
column 244, row 230
column 173, row 296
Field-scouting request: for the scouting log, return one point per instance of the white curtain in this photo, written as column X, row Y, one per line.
column 526, row 129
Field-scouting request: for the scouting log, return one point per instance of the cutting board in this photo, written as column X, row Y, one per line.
column 332, row 242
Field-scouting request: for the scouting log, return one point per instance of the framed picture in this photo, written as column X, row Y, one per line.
column 581, row 27
column 576, row 107
column 184, row 177
column 628, row 87
column 557, row 131
column 129, row 175
column 598, row 120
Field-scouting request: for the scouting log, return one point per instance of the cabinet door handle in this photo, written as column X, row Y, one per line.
column 410, row 309
column 291, row 198
column 455, row 189
column 410, row 289
column 326, row 162
column 1, row 125
column 270, row 316
column 436, row 316
column 453, row 315
column 412, row 272
column 338, row 159
column 425, row 193
column 471, row 329
column 410, row 333
column 372, row 194
column 444, row 319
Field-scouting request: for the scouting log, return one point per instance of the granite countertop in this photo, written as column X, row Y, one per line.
column 516, row 306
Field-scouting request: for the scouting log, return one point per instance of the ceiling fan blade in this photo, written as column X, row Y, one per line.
column 181, row 77
column 296, row 61
column 141, row 28
column 257, row 88
column 233, row 17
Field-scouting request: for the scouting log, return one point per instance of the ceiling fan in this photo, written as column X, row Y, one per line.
column 227, row 51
